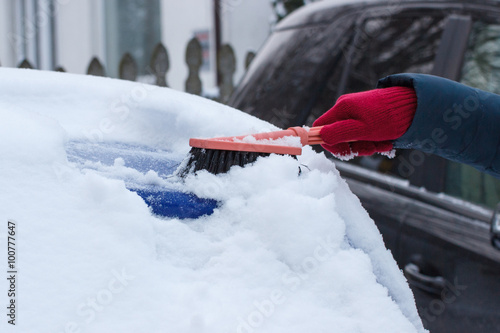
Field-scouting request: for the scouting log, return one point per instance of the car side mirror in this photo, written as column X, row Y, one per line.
column 495, row 228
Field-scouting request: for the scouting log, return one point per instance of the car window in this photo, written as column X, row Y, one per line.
column 481, row 69
column 393, row 45
column 385, row 45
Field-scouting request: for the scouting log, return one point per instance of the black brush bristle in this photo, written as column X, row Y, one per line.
column 216, row 161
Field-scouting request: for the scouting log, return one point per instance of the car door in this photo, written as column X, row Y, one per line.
column 451, row 266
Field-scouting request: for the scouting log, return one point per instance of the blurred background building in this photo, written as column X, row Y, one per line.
column 69, row 33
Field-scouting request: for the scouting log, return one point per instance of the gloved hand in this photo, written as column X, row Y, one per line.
column 366, row 122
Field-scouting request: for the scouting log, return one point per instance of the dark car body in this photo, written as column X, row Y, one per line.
column 435, row 215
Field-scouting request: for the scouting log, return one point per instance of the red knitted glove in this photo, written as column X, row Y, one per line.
column 366, row 122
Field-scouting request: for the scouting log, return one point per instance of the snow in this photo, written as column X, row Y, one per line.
column 288, row 141
column 281, row 253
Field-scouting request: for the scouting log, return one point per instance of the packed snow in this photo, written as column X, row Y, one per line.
column 282, row 252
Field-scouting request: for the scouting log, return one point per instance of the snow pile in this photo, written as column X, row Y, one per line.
column 282, row 253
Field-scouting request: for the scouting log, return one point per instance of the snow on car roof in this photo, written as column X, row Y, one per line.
column 280, row 253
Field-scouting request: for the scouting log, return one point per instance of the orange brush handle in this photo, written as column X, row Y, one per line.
column 314, row 137
column 309, row 136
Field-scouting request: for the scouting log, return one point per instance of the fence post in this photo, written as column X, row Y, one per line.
column 227, row 66
column 160, row 65
column 96, row 68
column 25, row 64
column 128, row 68
column 194, row 59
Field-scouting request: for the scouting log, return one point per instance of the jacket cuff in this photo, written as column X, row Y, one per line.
column 452, row 120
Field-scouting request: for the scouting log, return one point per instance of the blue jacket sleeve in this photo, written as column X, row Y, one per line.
column 452, row 120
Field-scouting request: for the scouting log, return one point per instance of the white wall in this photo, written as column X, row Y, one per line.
column 246, row 25
column 80, row 33
column 180, row 19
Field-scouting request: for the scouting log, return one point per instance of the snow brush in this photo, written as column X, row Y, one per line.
column 218, row 155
